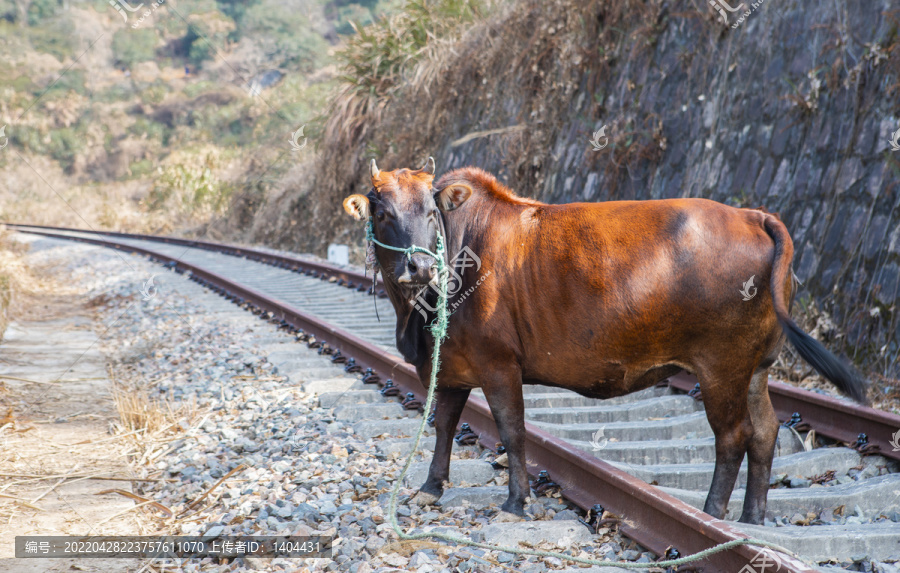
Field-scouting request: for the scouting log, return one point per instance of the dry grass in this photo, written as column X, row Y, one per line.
column 138, row 413
column 15, row 277
column 26, row 291
column 149, row 423
column 5, row 298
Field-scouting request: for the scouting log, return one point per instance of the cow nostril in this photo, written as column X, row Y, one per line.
column 412, row 267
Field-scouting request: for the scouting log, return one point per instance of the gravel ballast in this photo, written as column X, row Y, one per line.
column 238, row 393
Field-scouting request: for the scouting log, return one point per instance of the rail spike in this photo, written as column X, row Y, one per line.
column 594, row 518
column 466, row 437
column 543, row 484
column 410, row 402
column 389, row 389
column 369, row 377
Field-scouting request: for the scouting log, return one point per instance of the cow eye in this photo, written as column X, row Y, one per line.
column 379, row 215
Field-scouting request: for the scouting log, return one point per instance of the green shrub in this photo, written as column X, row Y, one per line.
column 132, row 46
column 226, row 125
column 118, row 92
column 55, row 38
column 352, row 14
column 155, row 93
column 40, row 10
column 236, row 10
column 189, row 189
column 207, row 34
column 72, row 80
column 379, row 55
column 200, row 87
column 300, row 100
column 9, row 11
column 20, row 84
column 286, row 34
column 154, row 131
column 65, row 143
column 141, row 168
column 26, row 137
column 200, row 7
column 200, row 48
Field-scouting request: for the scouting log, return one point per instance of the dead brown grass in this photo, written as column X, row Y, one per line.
column 14, row 276
column 138, row 413
column 150, row 417
column 26, row 291
column 149, row 423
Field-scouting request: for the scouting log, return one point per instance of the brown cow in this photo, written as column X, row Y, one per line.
column 600, row 298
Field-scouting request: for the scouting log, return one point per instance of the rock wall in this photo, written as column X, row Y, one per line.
column 793, row 110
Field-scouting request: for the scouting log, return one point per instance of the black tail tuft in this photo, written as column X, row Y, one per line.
column 844, row 376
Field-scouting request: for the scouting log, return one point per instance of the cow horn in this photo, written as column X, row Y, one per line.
column 429, row 166
column 373, row 169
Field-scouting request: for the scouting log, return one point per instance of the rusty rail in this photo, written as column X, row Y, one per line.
column 654, row 519
column 840, row 420
column 344, row 277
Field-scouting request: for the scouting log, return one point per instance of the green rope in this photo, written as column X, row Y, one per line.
column 438, row 256
column 439, row 332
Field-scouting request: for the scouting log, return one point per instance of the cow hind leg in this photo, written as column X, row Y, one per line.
column 449, row 407
column 761, row 449
column 725, row 398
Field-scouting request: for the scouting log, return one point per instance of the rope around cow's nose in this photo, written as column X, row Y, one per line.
column 439, row 331
column 438, row 256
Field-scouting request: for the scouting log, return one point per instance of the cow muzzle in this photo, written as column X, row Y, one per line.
column 419, row 270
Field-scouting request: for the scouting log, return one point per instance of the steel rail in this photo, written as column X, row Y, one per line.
column 836, row 419
column 654, row 519
column 345, row 277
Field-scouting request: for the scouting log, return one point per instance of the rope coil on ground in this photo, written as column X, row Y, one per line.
column 439, row 332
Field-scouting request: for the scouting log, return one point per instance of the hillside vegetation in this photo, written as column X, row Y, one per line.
column 153, row 123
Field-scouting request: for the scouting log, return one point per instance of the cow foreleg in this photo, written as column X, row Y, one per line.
column 504, row 396
column 450, row 405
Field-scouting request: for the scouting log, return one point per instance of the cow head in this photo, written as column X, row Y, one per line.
column 404, row 209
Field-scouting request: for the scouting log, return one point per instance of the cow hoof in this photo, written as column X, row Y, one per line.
column 507, row 517
column 424, row 498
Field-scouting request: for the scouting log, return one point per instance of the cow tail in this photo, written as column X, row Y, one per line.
column 845, row 377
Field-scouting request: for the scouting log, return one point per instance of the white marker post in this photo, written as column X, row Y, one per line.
column 339, row 254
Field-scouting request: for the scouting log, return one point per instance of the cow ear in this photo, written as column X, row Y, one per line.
column 357, row 206
column 452, row 196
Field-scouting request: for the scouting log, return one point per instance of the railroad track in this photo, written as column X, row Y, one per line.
column 647, row 457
